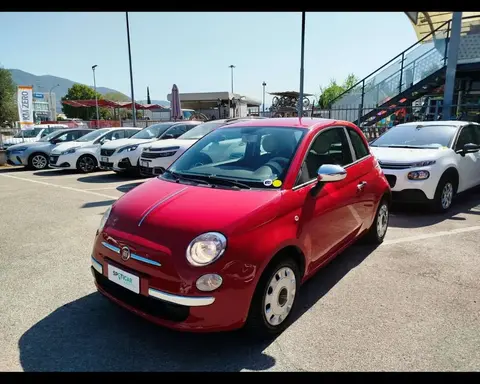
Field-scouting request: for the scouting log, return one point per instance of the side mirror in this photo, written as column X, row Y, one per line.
column 105, row 141
column 471, row 148
column 54, row 141
column 328, row 173
column 169, row 136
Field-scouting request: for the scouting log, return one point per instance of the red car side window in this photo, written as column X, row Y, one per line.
column 358, row 144
column 329, row 147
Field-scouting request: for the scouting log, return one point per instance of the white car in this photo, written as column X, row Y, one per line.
column 123, row 155
column 34, row 134
column 429, row 162
column 83, row 154
column 158, row 156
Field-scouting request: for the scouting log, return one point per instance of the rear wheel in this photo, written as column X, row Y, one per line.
column 86, row 163
column 38, row 161
column 274, row 299
column 378, row 230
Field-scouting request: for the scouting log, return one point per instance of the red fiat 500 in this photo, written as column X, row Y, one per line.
column 226, row 236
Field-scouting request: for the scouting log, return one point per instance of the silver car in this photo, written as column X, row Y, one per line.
column 35, row 155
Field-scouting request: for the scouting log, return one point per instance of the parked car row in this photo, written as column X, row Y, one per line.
column 242, row 212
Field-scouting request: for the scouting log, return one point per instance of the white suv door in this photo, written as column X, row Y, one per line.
column 468, row 163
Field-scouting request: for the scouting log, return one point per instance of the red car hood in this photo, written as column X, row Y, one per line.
column 162, row 211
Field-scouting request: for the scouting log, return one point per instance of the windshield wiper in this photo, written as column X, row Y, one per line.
column 179, row 177
column 217, row 179
column 403, row 146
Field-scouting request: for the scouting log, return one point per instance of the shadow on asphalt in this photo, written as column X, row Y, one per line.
column 56, row 172
column 107, row 178
column 93, row 334
column 128, row 187
column 417, row 216
column 94, row 204
column 8, row 169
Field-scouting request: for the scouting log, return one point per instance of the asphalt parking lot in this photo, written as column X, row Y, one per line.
column 411, row 304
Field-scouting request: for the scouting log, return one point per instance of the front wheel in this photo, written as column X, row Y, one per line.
column 378, row 230
column 38, row 161
column 274, row 299
column 86, row 164
column 443, row 195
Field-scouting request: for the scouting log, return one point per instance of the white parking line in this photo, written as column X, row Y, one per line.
column 386, row 242
column 431, row 235
column 61, row 186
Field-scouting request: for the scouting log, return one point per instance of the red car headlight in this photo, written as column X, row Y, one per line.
column 206, row 248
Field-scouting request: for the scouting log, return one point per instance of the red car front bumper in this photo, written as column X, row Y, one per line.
column 228, row 311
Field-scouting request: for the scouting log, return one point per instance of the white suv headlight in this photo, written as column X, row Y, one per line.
column 104, row 219
column 206, row 248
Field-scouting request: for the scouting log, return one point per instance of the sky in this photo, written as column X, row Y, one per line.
column 194, row 50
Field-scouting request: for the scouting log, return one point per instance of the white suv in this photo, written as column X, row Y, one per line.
column 122, row 155
column 429, row 162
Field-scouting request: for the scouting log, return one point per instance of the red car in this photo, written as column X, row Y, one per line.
column 226, row 236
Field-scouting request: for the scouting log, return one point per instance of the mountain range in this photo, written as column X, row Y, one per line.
column 44, row 83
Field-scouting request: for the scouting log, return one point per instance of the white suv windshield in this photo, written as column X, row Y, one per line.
column 201, row 130
column 29, row 133
column 93, row 135
column 417, row 136
column 153, row 131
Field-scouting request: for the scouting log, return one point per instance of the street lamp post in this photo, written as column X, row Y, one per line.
column 54, row 118
column 134, row 117
column 96, row 98
column 231, row 77
column 302, row 59
column 264, row 84
column 232, row 67
column 219, row 105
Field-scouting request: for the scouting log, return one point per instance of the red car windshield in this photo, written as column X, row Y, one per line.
column 258, row 157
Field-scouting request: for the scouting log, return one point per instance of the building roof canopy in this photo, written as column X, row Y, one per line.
column 425, row 23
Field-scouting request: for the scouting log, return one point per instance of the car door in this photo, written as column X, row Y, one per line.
column 469, row 163
column 328, row 221
column 362, row 167
column 476, row 128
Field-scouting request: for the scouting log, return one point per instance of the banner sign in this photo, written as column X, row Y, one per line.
column 25, row 106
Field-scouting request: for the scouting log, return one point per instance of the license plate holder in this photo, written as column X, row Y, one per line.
column 144, row 163
column 104, row 159
column 123, row 278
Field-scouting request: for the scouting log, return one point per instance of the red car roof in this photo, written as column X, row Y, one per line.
column 306, row 122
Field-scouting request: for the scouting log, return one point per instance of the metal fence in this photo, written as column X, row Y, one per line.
column 394, row 116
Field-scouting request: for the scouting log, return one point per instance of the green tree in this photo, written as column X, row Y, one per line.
column 8, row 105
column 80, row 92
column 330, row 93
column 350, row 81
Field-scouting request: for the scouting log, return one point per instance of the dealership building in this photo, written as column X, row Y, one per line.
column 44, row 106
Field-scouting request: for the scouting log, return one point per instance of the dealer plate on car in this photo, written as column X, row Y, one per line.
column 104, row 159
column 124, row 279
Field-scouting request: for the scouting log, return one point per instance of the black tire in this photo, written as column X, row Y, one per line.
column 87, row 163
column 38, row 161
column 257, row 323
column 376, row 233
column 446, row 182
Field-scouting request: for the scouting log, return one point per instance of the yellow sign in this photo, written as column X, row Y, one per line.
column 277, row 183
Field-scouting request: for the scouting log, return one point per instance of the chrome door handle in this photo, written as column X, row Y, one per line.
column 361, row 185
